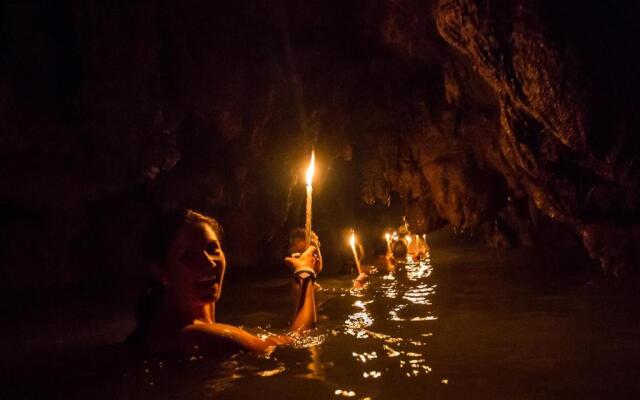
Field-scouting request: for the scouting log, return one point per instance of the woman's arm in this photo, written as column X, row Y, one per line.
column 305, row 317
column 223, row 339
column 304, row 269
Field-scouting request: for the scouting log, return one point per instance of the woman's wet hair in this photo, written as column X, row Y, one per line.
column 298, row 234
column 400, row 249
column 158, row 240
column 295, row 235
column 165, row 228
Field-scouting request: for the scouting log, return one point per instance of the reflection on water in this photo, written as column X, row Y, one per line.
column 467, row 330
column 388, row 315
column 374, row 334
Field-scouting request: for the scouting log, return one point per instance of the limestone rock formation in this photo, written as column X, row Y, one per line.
column 493, row 116
column 563, row 110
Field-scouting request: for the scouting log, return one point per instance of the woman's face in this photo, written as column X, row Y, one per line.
column 195, row 265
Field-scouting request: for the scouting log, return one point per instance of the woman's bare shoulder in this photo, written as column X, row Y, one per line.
column 203, row 338
column 217, row 338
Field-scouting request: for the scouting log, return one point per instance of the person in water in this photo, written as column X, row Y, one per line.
column 363, row 277
column 399, row 250
column 380, row 263
column 382, row 256
column 298, row 244
column 179, row 316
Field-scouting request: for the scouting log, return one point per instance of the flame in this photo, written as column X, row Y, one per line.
column 352, row 240
column 311, row 169
column 408, row 239
column 387, row 236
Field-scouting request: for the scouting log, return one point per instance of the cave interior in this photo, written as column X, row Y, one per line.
column 507, row 123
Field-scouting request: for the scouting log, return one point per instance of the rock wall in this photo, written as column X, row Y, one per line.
column 495, row 116
column 551, row 118
column 565, row 86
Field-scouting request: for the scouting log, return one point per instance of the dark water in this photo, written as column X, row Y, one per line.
column 467, row 323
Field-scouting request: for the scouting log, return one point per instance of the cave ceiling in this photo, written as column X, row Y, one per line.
column 491, row 116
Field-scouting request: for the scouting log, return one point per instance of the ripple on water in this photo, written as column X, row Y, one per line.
column 386, row 341
column 364, row 339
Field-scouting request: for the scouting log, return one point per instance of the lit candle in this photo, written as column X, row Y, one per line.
column 388, row 237
column 309, row 176
column 352, row 242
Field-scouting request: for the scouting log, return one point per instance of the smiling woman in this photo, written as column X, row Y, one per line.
column 178, row 315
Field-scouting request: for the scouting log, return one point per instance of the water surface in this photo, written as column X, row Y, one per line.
column 464, row 323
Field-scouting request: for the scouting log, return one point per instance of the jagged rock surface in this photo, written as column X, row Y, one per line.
column 489, row 115
column 564, row 110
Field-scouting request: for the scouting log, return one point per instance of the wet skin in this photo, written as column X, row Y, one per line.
column 195, row 267
column 193, row 276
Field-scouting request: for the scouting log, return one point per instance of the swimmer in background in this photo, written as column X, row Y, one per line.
column 297, row 245
column 399, row 252
column 423, row 248
column 362, row 276
column 416, row 245
column 382, row 257
column 178, row 316
column 380, row 263
column 349, row 265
